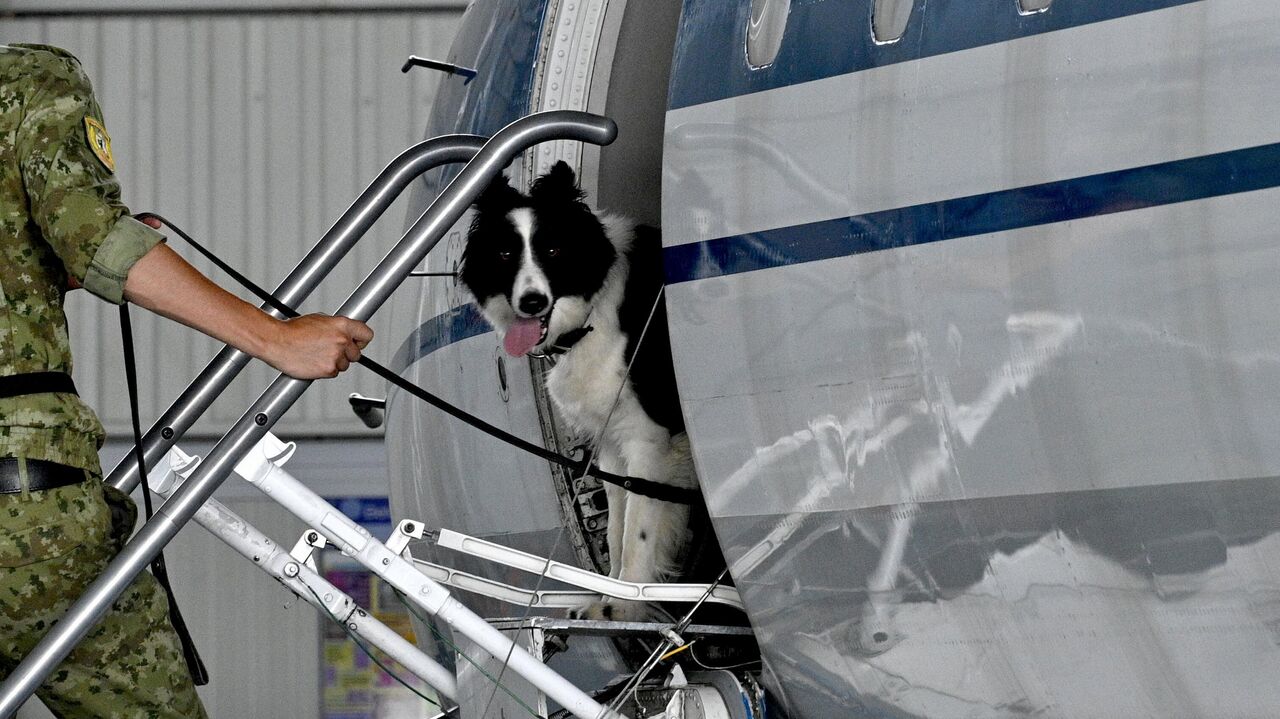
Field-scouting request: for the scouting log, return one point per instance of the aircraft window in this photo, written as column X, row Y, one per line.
column 764, row 34
column 1029, row 7
column 889, row 19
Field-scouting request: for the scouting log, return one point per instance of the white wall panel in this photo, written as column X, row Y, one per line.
column 253, row 132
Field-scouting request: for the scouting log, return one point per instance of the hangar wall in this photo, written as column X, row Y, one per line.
column 252, row 125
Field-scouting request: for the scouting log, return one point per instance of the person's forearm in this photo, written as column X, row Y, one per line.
column 306, row 347
column 166, row 284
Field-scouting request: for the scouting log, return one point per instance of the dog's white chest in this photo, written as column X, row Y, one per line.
column 584, row 384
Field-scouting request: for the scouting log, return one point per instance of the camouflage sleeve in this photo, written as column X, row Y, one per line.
column 74, row 196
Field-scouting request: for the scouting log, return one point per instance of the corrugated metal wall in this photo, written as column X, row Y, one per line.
column 253, row 129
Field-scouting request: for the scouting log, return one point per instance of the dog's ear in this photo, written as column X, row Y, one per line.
column 559, row 184
column 499, row 196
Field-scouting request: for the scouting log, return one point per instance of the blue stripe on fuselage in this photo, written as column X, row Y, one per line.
column 457, row 324
column 833, row 37
column 1134, row 188
column 1196, row 178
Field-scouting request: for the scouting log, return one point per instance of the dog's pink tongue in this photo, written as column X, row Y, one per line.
column 522, row 336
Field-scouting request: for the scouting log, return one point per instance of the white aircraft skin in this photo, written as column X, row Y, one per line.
column 976, row 339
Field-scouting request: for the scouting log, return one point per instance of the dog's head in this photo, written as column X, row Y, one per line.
column 535, row 262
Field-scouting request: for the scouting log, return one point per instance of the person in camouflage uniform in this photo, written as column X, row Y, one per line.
column 62, row 225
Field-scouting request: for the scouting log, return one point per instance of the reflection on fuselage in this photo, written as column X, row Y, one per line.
column 970, row 605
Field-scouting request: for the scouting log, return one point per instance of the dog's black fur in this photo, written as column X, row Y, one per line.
column 580, row 269
column 542, row 267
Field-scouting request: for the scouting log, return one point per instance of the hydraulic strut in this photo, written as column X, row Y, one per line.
column 299, row 575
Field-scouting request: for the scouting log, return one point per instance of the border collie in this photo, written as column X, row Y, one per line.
column 554, row 279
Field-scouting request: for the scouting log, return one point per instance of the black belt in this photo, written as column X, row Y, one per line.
column 16, row 385
column 41, row 475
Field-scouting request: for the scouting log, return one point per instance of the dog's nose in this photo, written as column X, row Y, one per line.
column 533, row 303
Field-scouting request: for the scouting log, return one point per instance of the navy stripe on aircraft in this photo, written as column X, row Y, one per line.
column 1166, row 183
column 459, row 323
column 711, row 60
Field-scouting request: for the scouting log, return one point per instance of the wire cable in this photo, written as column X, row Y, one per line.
column 431, row 625
column 351, row 635
column 641, row 674
column 677, row 650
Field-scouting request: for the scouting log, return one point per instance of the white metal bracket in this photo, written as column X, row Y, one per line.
column 670, row 635
column 406, row 531
column 172, row 469
column 546, row 598
column 297, row 571
column 595, row 583
column 304, row 550
column 261, row 466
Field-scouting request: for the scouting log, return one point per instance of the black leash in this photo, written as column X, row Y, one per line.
column 645, row 487
column 195, row 665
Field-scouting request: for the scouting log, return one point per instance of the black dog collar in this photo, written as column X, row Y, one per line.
column 566, row 341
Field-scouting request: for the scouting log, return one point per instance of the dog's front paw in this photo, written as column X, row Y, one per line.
column 614, row 610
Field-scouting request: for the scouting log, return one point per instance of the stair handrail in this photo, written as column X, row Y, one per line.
column 284, row 391
column 305, row 277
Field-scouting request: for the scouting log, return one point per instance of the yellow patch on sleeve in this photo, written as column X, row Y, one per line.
column 99, row 142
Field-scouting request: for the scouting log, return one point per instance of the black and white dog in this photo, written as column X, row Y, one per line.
column 552, row 277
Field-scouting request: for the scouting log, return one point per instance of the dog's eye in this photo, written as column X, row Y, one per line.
column 505, row 254
column 553, row 251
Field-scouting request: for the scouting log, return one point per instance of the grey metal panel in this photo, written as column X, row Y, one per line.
column 1023, row 369
column 1021, row 473
column 1145, row 602
column 629, row 171
column 1149, row 88
column 254, row 133
column 454, row 464
column 1036, row 462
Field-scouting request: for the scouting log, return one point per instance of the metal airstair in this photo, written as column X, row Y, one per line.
column 252, row 452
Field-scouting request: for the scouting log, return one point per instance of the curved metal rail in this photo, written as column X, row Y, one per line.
column 595, row 585
column 297, row 285
column 285, row 391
